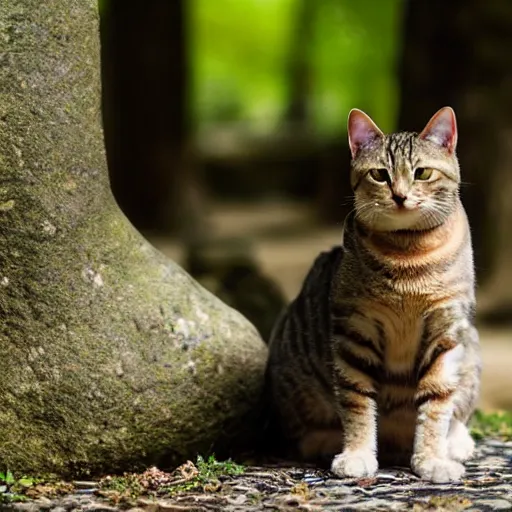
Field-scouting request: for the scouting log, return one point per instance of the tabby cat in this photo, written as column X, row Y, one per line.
column 377, row 357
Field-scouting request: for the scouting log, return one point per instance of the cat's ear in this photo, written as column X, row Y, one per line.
column 442, row 129
column 362, row 131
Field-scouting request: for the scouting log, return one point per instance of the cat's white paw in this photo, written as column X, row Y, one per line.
column 437, row 470
column 460, row 443
column 357, row 464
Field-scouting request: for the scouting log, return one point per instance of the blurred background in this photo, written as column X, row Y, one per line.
column 225, row 127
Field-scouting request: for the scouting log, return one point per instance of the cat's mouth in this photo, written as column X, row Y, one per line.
column 404, row 210
column 389, row 216
column 401, row 218
column 406, row 206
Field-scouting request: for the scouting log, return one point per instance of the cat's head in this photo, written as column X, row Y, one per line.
column 404, row 181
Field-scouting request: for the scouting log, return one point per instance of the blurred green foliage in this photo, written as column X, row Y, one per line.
column 495, row 424
column 240, row 52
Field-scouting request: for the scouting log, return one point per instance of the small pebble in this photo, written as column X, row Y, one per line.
column 313, row 479
column 83, row 484
column 494, row 504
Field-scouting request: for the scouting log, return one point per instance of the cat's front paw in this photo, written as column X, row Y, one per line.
column 357, row 464
column 437, row 470
column 460, row 443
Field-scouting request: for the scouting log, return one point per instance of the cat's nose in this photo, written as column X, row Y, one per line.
column 399, row 199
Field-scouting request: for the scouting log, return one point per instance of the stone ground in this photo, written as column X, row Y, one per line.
column 487, row 486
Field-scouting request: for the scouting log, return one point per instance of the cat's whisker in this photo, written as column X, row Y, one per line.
column 348, row 200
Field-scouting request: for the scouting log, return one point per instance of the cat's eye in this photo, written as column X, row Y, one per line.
column 423, row 174
column 379, row 175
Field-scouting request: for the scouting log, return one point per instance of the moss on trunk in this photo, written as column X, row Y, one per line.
column 110, row 354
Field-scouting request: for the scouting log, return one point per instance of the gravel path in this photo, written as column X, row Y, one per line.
column 487, row 487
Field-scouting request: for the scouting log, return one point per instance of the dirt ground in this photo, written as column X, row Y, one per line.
column 286, row 239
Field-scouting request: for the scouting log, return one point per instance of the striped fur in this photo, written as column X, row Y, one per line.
column 378, row 355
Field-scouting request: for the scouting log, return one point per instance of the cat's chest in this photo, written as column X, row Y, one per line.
column 400, row 326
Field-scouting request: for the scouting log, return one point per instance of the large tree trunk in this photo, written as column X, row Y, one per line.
column 110, row 354
column 146, row 112
column 456, row 53
column 300, row 72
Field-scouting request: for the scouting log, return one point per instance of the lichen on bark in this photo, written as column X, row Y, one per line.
column 110, row 354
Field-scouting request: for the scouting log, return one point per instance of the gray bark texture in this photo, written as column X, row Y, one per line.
column 110, row 354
